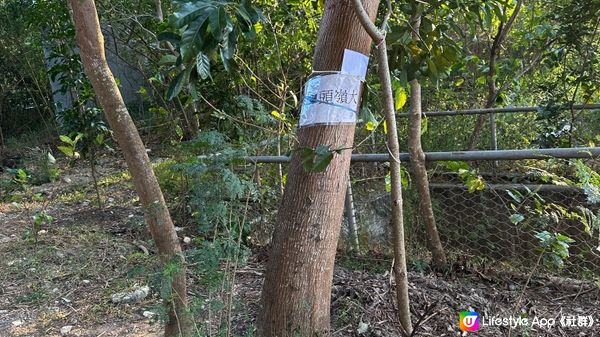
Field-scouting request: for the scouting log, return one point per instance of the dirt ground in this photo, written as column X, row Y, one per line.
column 87, row 254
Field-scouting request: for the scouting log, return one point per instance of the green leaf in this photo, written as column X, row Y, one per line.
column 564, row 238
column 516, row 218
column 277, row 115
column 228, row 46
column 388, row 183
column 66, row 139
column 400, row 98
column 177, row 84
column 67, row 150
column 192, row 39
column 315, row 160
column 515, row 195
column 323, row 156
column 475, row 184
column 258, row 27
column 203, row 66
column 169, row 36
column 168, row 60
column 100, row 139
column 179, row 131
column 424, row 125
column 307, row 156
column 433, row 70
column 218, row 22
column 188, row 12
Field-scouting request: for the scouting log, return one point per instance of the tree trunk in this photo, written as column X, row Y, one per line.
column 297, row 290
column 421, row 181
column 91, row 47
column 397, row 220
column 417, row 161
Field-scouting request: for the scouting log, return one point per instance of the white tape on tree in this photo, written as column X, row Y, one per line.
column 330, row 99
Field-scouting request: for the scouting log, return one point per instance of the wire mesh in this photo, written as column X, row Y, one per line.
column 520, row 218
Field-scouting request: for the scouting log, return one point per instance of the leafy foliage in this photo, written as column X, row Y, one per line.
column 203, row 30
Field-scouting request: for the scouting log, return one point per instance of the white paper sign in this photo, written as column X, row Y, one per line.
column 330, row 99
column 355, row 63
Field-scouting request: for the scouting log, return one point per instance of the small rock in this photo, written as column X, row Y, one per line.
column 55, row 290
column 42, row 232
column 17, row 322
column 178, row 229
column 111, row 200
column 187, row 240
column 149, row 314
column 86, row 282
column 133, row 296
column 66, row 180
column 66, row 300
column 65, row 330
column 130, row 216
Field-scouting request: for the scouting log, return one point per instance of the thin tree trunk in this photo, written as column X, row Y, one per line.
column 159, row 11
column 91, row 45
column 351, row 216
column 421, row 180
column 95, row 178
column 417, row 161
column 296, row 294
column 400, row 271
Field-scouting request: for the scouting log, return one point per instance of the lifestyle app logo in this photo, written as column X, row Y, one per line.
column 469, row 321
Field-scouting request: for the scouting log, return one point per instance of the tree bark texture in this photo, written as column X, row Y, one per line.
column 400, row 269
column 91, row 47
column 417, row 161
column 397, row 220
column 421, row 180
column 297, row 290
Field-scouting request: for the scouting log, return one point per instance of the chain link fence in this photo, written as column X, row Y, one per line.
column 519, row 216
